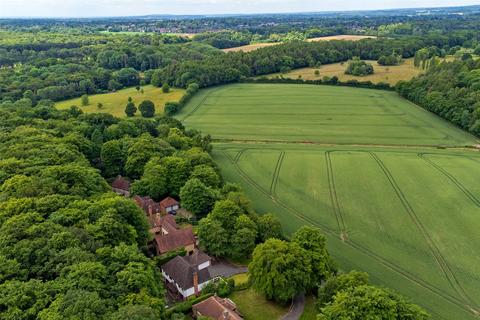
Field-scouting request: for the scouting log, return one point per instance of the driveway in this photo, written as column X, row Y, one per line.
column 296, row 309
column 225, row 269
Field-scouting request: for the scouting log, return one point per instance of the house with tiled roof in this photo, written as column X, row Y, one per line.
column 175, row 240
column 216, row 308
column 169, row 205
column 121, row 186
column 187, row 275
column 148, row 205
column 168, row 236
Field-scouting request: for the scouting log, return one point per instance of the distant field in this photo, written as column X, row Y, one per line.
column 341, row 37
column 255, row 46
column 366, row 167
column 387, row 74
column 316, row 114
column 115, row 102
column 251, row 47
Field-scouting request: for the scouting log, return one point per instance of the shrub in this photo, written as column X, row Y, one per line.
column 357, row 67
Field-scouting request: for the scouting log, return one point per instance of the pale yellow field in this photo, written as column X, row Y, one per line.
column 251, row 47
column 388, row 74
column 115, row 102
column 255, row 46
column 345, row 37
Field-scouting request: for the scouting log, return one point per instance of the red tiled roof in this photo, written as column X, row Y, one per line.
column 147, row 204
column 158, row 222
column 121, row 183
column 217, row 308
column 175, row 240
column 168, row 202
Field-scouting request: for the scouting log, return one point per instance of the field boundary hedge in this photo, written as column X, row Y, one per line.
column 331, row 81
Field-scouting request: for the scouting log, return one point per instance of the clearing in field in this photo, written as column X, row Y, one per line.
column 387, row 74
column 255, row 46
column 115, row 102
column 365, row 167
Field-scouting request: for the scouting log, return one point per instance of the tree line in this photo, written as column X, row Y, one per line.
column 450, row 90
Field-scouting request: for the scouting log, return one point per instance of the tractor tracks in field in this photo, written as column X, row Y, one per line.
column 462, row 300
column 207, row 95
column 276, row 174
column 454, row 180
column 334, row 198
column 439, row 257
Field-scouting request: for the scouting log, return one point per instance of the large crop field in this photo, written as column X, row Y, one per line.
column 393, row 187
column 317, row 114
column 115, row 102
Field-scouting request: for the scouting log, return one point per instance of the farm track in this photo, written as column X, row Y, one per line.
column 441, row 260
column 459, row 302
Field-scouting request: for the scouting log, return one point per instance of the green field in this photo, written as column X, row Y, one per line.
column 115, row 102
column 389, row 183
column 316, row 114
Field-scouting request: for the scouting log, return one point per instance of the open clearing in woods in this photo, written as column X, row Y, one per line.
column 255, row 46
column 365, row 167
column 115, row 102
column 387, row 74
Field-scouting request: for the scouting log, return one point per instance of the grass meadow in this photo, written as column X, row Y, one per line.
column 393, row 187
column 115, row 102
column 387, row 74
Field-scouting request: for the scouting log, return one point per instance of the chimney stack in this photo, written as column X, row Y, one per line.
column 150, row 210
column 225, row 315
column 195, row 283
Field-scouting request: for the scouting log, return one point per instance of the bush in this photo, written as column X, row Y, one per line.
column 172, row 108
column 391, row 60
column 166, row 88
column 357, row 67
column 186, row 306
column 147, row 109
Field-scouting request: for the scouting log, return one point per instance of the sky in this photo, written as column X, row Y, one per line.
column 104, row 8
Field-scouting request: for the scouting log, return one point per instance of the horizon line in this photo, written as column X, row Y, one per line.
column 207, row 15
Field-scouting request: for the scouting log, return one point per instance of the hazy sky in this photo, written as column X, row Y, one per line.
column 90, row 8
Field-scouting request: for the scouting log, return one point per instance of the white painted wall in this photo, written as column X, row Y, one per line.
column 204, row 265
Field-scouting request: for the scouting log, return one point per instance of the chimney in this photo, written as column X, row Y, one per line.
column 225, row 314
column 195, row 283
column 150, row 210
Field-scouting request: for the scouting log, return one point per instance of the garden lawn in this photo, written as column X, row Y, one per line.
column 254, row 306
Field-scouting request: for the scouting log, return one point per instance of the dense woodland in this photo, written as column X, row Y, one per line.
column 451, row 90
column 71, row 249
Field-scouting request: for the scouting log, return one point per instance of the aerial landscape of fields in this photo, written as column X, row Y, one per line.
column 239, row 160
column 320, row 157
